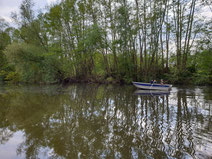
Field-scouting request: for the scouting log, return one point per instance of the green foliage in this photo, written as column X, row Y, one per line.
column 198, row 70
column 200, row 78
column 99, row 64
column 33, row 64
column 204, row 61
column 181, row 77
column 12, row 77
column 94, row 37
column 5, row 39
column 5, row 73
column 203, row 74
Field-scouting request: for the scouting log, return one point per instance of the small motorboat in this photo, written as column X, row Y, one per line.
column 152, row 86
column 143, row 92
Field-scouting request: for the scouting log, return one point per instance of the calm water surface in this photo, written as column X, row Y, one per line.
column 100, row 121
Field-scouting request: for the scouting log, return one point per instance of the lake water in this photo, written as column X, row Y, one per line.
column 104, row 121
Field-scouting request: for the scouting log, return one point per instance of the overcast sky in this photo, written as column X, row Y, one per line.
column 8, row 6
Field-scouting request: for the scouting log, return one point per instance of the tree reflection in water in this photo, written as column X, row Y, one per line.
column 99, row 121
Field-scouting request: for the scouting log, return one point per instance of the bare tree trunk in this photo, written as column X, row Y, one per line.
column 113, row 32
column 139, row 35
column 167, row 39
column 189, row 29
column 145, row 31
column 161, row 41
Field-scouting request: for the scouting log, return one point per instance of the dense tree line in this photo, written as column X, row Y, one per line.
column 108, row 40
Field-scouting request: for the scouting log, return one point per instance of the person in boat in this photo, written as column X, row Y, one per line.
column 154, row 81
column 161, row 81
column 151, row 81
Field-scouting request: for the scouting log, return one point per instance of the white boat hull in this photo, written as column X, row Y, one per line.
column 152, row 86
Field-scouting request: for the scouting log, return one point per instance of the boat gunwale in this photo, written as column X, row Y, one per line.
column 152, row 85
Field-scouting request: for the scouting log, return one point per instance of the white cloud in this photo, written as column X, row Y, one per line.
column 206, row 12
column 8, row 6
column 7, row 19
column 51, row 1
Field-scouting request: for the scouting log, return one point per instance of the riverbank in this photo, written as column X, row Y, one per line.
column 182, row 78
column 111, row 80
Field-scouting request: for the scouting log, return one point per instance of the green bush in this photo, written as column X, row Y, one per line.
column 12, row 77
column 203, row 73
column 33, row 64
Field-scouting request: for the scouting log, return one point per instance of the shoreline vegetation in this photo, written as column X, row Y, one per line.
column 108, row 42
column 101, row 80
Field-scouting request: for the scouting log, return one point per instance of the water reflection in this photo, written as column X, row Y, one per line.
column 151, row 92
column 99, row 121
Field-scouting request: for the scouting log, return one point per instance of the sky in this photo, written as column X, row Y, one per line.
column 8, row 6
